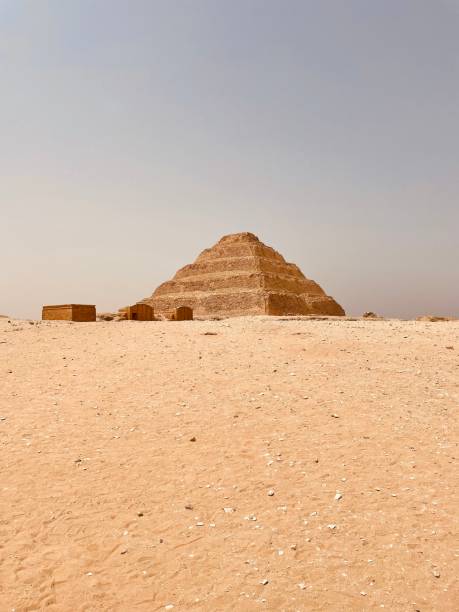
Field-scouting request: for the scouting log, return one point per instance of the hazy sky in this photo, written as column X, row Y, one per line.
column 135, row 133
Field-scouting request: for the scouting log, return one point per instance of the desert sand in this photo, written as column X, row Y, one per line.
column 243, row 464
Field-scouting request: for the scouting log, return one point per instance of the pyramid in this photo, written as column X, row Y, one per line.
column 242, row 276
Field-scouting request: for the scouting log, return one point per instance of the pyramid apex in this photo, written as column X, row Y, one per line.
column 240, row 237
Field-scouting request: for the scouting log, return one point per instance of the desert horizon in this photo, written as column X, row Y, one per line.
column 229, row 262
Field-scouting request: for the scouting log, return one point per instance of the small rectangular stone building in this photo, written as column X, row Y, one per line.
column 140, row 312
column 183, row 313
column 69, row 312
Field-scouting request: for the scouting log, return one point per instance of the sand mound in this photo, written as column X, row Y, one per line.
column 434, row 319
column 369, row 314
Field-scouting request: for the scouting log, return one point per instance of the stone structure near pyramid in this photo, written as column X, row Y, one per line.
column 242, row 276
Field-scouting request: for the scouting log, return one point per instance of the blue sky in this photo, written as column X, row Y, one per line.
column 134, row 134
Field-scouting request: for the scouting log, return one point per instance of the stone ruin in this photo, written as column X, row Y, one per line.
column 140, row 312
column 69, row 312
column 242, row 276
column 182, row 313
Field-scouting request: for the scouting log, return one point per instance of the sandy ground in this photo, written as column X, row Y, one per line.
column 267, row 465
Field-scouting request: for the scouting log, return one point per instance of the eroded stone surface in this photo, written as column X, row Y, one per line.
column 242, row 276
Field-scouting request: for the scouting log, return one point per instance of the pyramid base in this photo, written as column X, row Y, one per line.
column 245, row 303
column 281, row 304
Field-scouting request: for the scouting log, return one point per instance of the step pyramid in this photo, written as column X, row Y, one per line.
column 242, row 276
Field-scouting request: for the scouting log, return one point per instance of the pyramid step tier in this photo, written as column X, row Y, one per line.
column 241, row 280
column 239, row 264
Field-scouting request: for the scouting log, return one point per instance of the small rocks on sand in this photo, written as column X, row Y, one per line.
column 250, row 517
column 338, row 496
column 264, row 581
column 271, row 492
